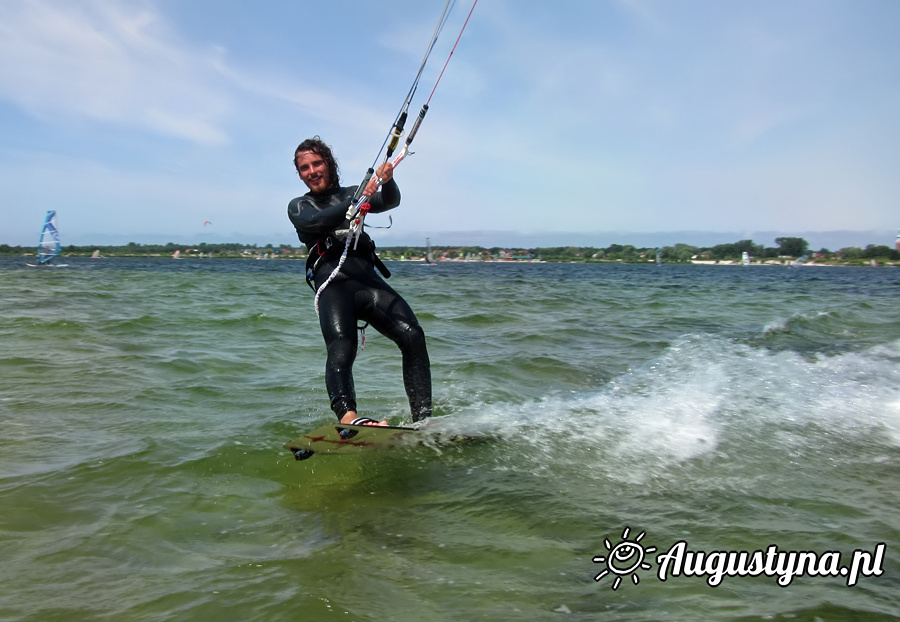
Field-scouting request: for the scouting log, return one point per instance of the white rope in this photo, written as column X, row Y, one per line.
column 332, row 275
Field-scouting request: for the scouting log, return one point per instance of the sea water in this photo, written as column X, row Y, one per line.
column 649, row 425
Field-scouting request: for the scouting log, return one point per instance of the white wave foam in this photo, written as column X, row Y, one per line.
column 703, row 393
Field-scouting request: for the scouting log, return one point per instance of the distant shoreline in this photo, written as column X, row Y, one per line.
column 789, row 251
column 785, row 262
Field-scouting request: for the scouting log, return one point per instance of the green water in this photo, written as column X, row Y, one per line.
column 144, row 405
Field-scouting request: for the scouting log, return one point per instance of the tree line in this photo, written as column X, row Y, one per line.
column 135, row 249
column 785, row 247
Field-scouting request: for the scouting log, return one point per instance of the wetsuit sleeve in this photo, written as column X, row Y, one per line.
column 387, row 198
column 308, row 219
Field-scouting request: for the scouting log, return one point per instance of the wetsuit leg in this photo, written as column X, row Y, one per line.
column 337, row 318
column 390, row 315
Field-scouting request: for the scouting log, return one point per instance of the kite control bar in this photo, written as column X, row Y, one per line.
column 359, row 207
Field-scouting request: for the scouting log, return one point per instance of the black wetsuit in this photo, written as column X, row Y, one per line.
column 356, row 294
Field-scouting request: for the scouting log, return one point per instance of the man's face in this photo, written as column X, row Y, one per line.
column 313, row 171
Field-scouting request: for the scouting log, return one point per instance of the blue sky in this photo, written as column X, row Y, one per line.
column 582, row 121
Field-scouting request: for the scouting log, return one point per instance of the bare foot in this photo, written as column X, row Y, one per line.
column 351, row 416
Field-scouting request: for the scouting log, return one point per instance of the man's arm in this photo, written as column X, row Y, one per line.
column 308, row 219
column 388, row 198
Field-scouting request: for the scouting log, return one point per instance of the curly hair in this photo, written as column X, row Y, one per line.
column 318, row 146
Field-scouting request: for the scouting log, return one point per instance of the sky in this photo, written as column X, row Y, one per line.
column 577, row 122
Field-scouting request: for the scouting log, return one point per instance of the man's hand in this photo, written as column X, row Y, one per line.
column 385, row 173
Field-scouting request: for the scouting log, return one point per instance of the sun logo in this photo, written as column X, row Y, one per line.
column 625, row 558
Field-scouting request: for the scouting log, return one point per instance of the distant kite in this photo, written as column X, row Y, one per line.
column 207, row 222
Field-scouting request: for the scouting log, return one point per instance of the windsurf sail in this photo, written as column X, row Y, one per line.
column 49, row 245
column 745, row 258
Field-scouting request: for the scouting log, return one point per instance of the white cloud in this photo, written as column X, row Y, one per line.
column 644, row 14
column 631, row 115
column 114, row 62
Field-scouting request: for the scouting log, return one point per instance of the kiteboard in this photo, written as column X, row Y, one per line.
column 344, row 438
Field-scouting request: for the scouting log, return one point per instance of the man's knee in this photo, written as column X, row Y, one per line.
column 342, row 347
column 417, row 337
column 411, row 337
column 341, row 354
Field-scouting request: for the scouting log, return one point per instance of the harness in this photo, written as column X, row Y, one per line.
column 332, row 245
column 328, row 245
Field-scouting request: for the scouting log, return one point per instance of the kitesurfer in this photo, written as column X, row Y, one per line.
column 357, row 293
